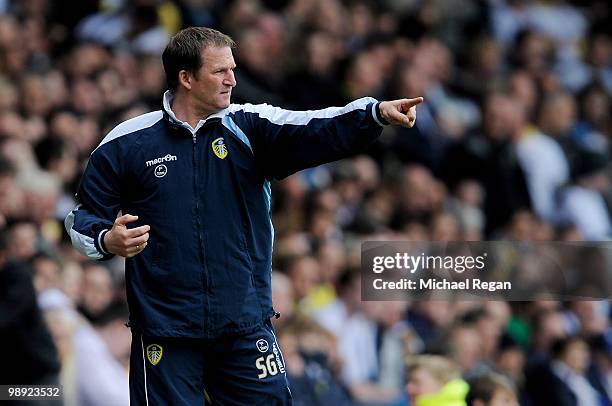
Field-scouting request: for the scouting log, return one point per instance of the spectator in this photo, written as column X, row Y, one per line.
column 583, row 204
column 31, row 357
column 312, row 364
column 511, row 360
column 568, row 373
column 490, row 158
column 491, row 390
column 464, row 348
column 84, row 355
column 600, row 369
column 314, row 84
column 46, row 272
column 283, row 298
column 434, row 380
column 97, row 291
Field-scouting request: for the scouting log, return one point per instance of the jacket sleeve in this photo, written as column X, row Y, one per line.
column 99, row 197
column 286, row 141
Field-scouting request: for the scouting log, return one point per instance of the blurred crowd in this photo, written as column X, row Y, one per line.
column 512, row 143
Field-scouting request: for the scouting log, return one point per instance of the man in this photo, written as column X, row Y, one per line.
column 193, row 181
column 491, row 390
column 30, row 356
column 434, row 380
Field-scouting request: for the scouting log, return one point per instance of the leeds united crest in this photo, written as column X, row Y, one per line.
column 219, row 148
column 154, row 353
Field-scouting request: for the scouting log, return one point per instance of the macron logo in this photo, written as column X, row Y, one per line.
column 159, row 160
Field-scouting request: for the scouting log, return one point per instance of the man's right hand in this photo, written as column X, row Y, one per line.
column 125, row 242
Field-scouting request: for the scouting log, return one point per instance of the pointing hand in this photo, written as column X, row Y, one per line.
column 400, row 112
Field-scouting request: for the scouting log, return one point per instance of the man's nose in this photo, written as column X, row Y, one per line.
column 230, row 79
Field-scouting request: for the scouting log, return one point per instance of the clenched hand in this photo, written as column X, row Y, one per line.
column 126, row 242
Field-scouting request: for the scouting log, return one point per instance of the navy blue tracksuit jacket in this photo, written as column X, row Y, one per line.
column 205, row 192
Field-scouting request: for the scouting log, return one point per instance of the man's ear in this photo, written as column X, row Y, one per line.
column 478, row 402
column 185, row 79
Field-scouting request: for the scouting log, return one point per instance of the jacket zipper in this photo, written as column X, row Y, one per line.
column 199, row 229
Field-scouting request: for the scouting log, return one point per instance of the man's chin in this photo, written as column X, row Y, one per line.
column 225, row 103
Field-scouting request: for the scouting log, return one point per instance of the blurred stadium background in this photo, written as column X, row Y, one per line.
column 512, row 143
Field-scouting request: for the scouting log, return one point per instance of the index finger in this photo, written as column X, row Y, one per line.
column 138, row 231
column 412, row 102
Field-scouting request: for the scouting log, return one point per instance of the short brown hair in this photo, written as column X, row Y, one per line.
column 484, row 388
column 184, row 51
column 441, row 368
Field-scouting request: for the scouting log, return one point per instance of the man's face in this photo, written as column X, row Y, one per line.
column 212, row 87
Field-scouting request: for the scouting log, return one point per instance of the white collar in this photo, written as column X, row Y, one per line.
column 167, row 103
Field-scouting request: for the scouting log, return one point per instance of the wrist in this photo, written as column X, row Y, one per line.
column 378, row 114
column 103, row 242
